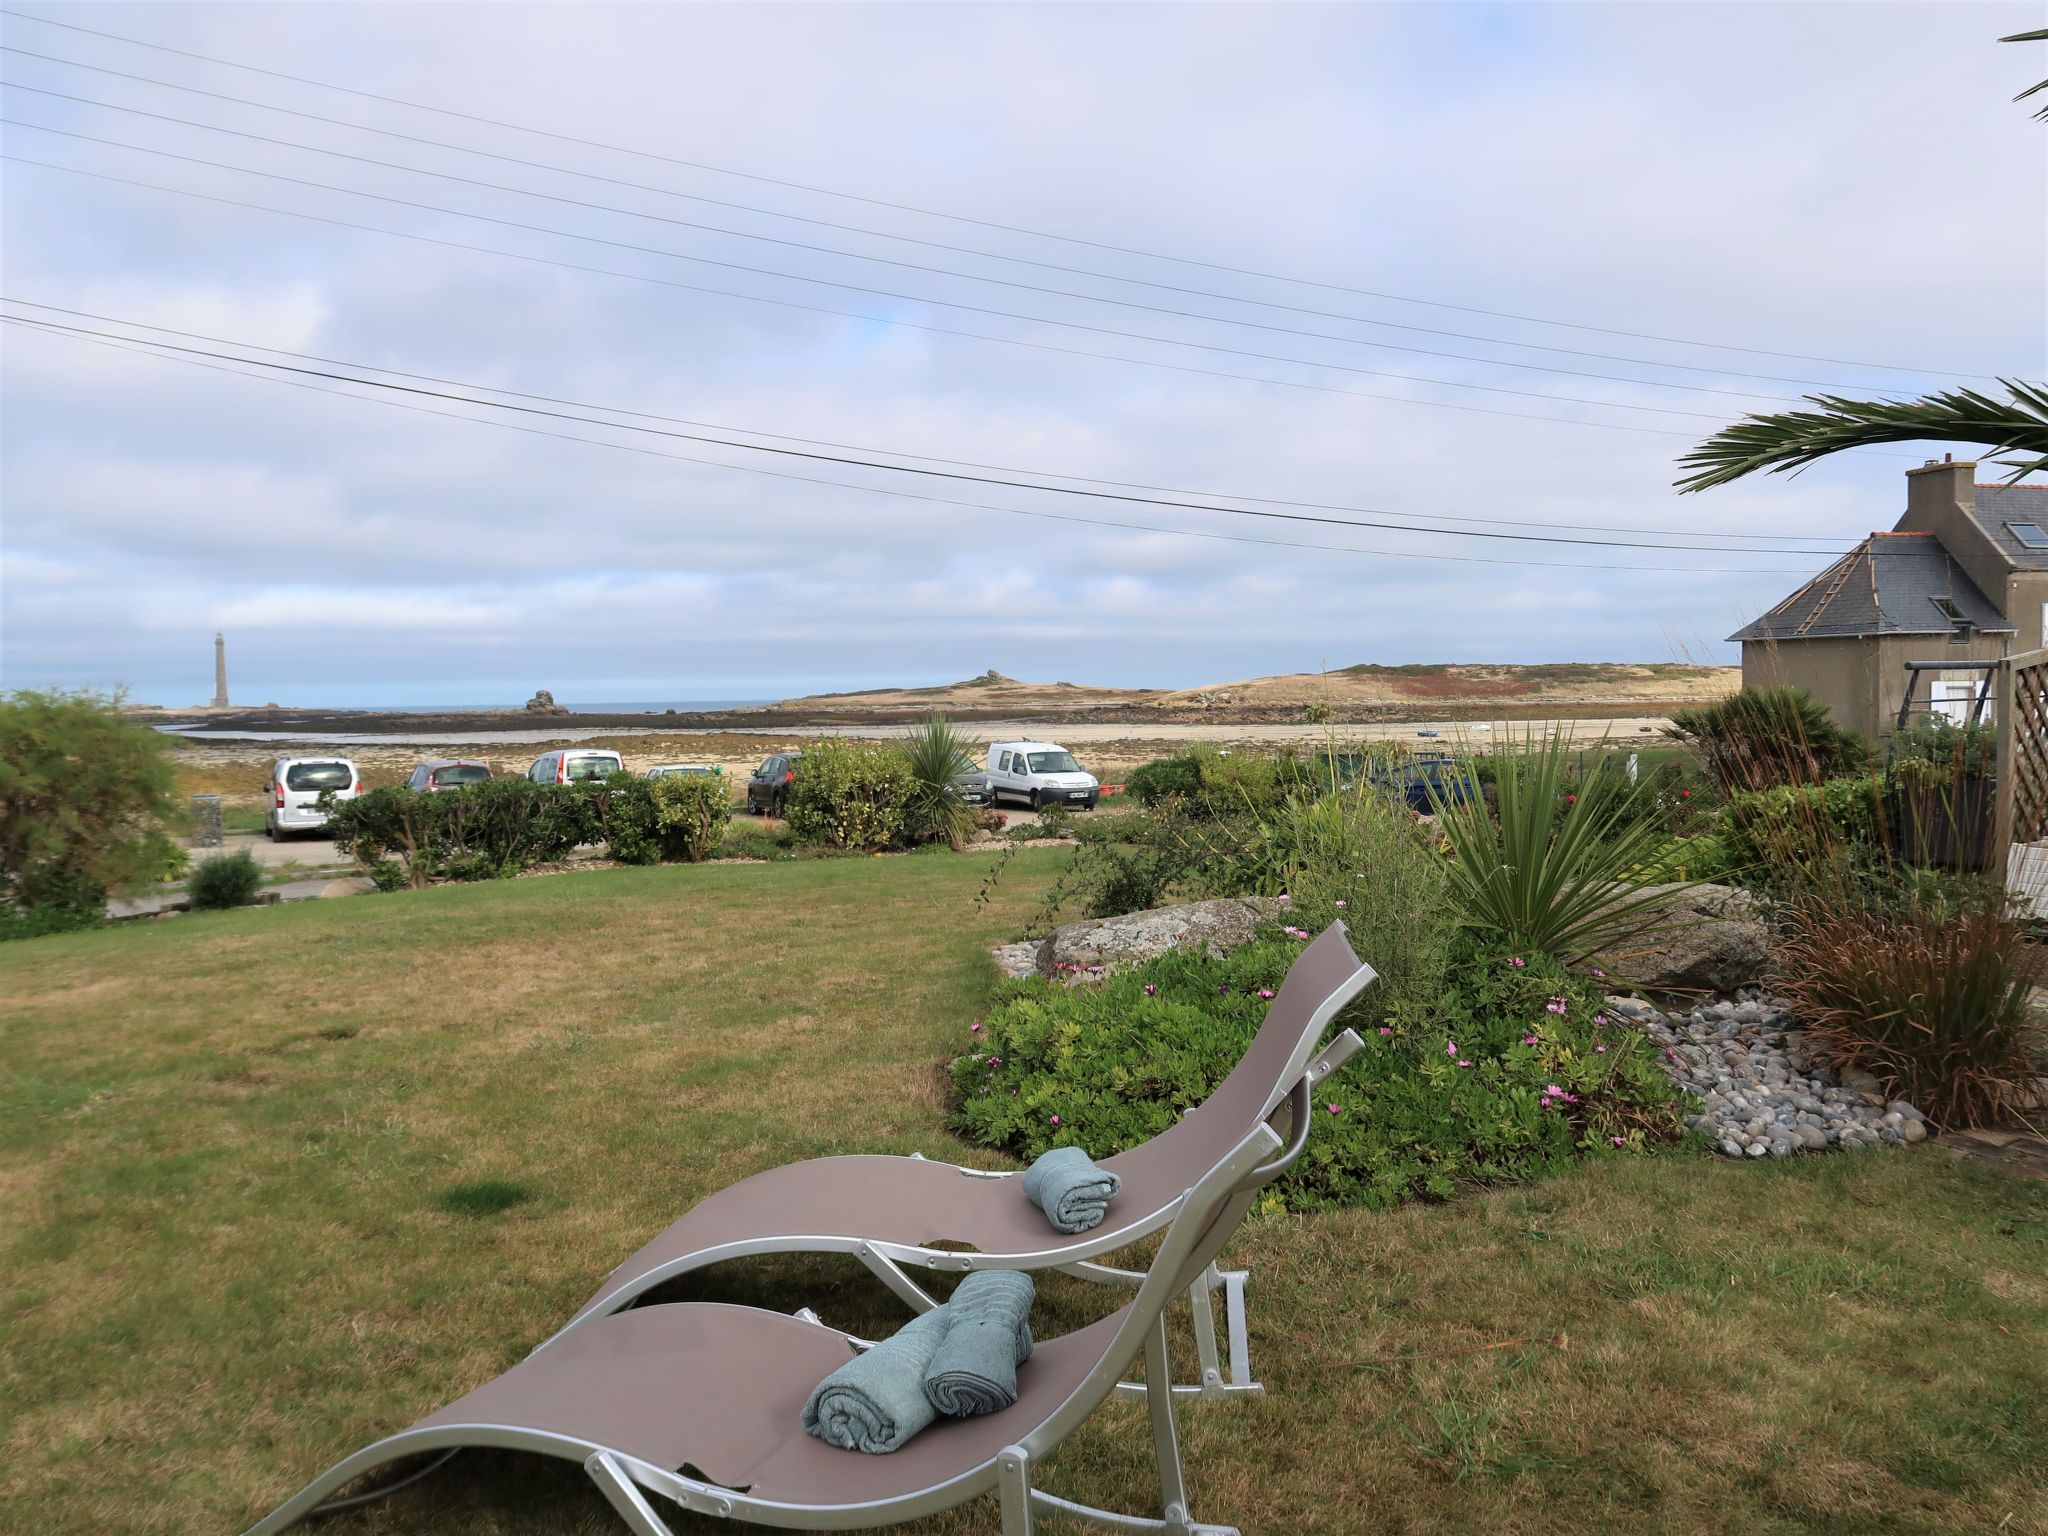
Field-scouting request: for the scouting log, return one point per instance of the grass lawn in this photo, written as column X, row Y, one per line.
column 275, row 1182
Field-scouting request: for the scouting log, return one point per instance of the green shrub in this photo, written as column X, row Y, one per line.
column 1454, row 1095
column 225, row 880
column 50, row 917
column 1544, row 866
column 1941, row 752
column 1807, row 835
column 1761, row 738
column 487, row 830
column 850, row 795
column 87, row 804
column 691, row 813
column 1931, row 995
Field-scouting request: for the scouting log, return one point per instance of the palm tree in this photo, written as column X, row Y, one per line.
column 1791, row 440
column 2031, row 37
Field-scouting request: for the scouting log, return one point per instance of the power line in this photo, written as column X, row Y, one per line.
column 902, row 207
column 858, row 463
column 897, row 453
column 887, row 293
column 879, row 234
column 821, row 309
column 147, row 349
column 912, row 266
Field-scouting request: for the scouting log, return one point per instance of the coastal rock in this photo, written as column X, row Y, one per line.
column 543, row 703
column 1092, row 948
column 1703, row 938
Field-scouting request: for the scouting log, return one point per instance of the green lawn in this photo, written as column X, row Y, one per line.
column 275, row 1182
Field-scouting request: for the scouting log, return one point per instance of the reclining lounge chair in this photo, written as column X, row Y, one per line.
column 890, row 1211
column 701, row 1404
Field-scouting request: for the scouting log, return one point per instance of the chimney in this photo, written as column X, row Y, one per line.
column 220, row 671
column 1940, row 485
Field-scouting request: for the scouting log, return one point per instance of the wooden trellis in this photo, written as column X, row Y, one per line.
column 2023, row 749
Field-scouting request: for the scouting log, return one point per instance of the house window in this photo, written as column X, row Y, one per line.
column 2030, row 535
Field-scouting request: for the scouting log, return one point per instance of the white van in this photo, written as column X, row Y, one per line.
column 296, row 785
column 1039, row 773
column 572, row 765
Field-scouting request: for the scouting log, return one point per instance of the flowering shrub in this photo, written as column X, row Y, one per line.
column 1516, row 1072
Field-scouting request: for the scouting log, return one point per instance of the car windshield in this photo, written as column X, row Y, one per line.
column 675, row 773
column 319, row 776
column 591, row 767
column 1053, row 762
column 460, row 773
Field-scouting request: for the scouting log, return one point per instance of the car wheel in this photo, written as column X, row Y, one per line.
column 1037, row 801
column 269, row 831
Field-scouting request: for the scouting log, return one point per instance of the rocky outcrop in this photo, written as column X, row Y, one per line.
column 1703, row 938
column 1102, row 944
column 543, row 703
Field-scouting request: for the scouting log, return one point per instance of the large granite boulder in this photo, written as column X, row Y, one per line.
column 1101, row 944
column 543, row 703
column 1703, row 938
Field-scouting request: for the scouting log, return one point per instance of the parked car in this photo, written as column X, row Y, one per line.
column 573, row 765
column 296, row 785
column 1040, row 773
column 768, row 785
column 682, row 770
column 447, row 773
column 974, row 788
column 1424, row 781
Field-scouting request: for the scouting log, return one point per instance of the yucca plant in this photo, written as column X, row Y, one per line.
column 939, row 756
column 1547, row 866
column 1930, row 996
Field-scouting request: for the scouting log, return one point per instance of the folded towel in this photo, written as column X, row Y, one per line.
column 1070, row 1189
column 877, row 1402
column 988, row 1337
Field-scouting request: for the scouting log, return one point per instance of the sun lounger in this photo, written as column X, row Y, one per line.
column 891, row 1212
column 700, row 1404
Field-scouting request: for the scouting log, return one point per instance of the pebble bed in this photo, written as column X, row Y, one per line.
column 1761, row 1097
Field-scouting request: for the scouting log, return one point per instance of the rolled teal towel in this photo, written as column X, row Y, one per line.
column 975, row 1368
column 876, row 1402
column 1070, row 1189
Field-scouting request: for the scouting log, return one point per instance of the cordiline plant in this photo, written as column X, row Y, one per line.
column 939, row 757
column 1547, row 865
column 1932, row 995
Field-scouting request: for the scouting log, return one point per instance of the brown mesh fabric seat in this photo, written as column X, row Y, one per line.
column 701, row 1405
column 893, row 1212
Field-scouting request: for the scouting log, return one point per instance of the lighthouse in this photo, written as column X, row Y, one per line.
column 220, row 671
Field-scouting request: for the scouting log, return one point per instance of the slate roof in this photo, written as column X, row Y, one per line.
column 1998, row 505
column 1884, row 586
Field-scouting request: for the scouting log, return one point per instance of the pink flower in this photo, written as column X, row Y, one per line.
column 1450, row 1047
column 1295, row 933
column 1463, row 1063
column 1342, row 905
column 1385, row 1030
column 1150, row 990
column 1265, row 991
column 1600, row 1050
column 974, row 1029
column 1530, row 1040
column 1600, row 973
column 1556, row 1005
column 1055, row 1119
column 1552, row 1091
column 1335, row 1109
column 1617, row 1141
column 1518, row 962
column 1599, row 1019
column 1285, row 898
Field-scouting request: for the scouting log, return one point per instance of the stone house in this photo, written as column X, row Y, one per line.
column 1963, row 576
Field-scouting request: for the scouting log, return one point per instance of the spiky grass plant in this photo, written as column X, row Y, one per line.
column 1547, row 865
column 939, row 756
column 1761, row 738
column 1931, row 997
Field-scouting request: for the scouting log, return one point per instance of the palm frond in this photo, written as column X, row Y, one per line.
column 2031, row 37
column 1791, row 440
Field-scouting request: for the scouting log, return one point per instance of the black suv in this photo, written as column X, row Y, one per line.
column 768, row 785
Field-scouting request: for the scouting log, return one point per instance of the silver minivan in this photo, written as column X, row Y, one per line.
column 573, row 765
column 296, row 785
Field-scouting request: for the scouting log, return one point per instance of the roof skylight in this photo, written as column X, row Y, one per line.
column 2031, row 535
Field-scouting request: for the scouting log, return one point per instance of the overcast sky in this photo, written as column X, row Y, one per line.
column 1839, row 181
